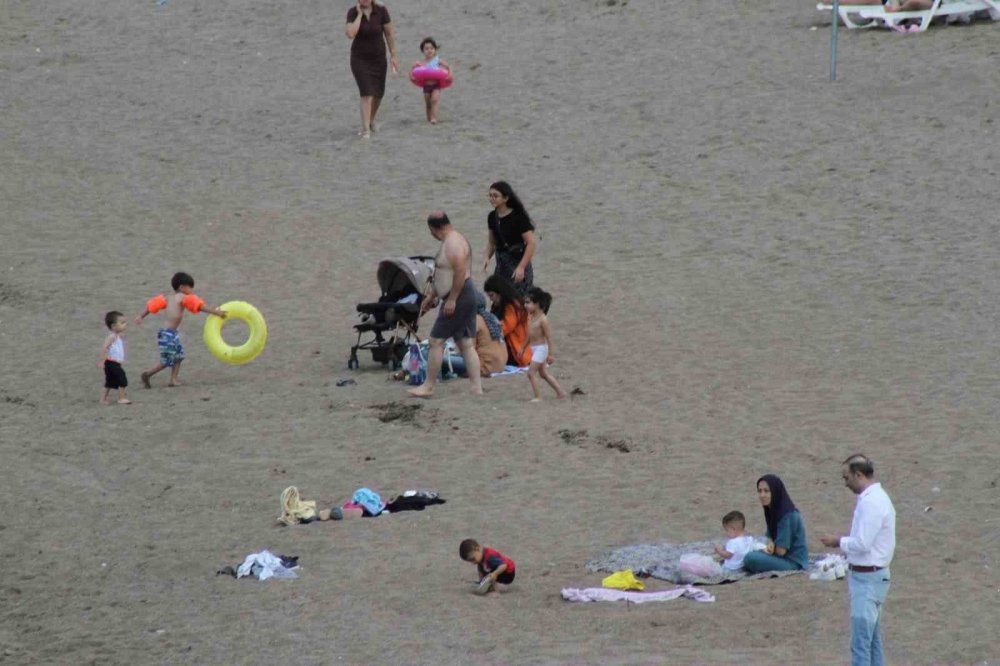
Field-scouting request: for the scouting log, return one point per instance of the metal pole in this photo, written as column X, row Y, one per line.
column 833, row 40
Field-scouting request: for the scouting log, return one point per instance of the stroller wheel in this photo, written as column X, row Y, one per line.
column 352, row 364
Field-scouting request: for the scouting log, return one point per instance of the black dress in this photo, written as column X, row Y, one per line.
column 368, row 62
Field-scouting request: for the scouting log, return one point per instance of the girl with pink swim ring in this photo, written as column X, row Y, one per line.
column 433, row 75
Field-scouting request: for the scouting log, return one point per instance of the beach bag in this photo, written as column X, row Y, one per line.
column 415, row 363
column 701, row 566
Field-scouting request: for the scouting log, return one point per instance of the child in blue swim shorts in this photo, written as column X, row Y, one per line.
column 168, row 338
column 168, row 341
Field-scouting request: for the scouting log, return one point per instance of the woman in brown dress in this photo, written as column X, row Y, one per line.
column 371, row 29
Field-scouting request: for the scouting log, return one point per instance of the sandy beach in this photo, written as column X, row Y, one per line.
column 754, row 270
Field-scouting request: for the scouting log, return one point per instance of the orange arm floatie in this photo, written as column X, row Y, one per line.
column 156, row 303
column 193, row 303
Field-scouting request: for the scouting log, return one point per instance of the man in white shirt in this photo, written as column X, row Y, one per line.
column 869, row 549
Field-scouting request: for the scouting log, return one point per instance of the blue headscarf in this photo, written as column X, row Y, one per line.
column 781, row 503
column 492, row 323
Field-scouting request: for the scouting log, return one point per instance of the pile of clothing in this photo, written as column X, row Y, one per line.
column 295, row 510
column 263, row 565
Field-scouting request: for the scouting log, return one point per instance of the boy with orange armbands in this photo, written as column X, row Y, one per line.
column 168, row 339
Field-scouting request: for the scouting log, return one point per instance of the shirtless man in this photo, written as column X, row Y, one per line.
column 452, row 284
column 168, row 339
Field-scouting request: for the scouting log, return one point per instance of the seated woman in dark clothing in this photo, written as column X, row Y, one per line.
column 786, row 533
column 509, row 309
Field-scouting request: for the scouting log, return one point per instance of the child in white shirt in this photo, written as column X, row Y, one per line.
column 113, row 359
column 738, row 543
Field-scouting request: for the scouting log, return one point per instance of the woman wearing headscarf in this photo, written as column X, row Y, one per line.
column 508, row 306
column 490, row 346
column 786, row 533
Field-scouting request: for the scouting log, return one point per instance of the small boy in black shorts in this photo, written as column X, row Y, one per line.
column 494, row 567
column 113, row 358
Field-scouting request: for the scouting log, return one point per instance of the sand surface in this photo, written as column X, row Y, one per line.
column 754, row 271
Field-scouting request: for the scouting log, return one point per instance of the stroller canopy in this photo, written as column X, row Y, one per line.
column 400, row 276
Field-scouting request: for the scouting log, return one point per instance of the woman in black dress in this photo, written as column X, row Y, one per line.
column 511, row 237
column 371, row 29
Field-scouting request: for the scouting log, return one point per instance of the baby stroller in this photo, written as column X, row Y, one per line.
column 402, row 281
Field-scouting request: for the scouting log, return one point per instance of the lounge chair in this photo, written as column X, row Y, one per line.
column 875, row 15
column 850, row 14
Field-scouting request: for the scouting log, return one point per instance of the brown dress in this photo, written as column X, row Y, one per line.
column 368, row 62
column 492, row 353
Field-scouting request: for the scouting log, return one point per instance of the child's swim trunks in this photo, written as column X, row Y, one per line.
column 171, row 350
column 114, row 375
column 539, row 353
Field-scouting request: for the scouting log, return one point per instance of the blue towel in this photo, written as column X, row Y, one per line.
column 369, row 499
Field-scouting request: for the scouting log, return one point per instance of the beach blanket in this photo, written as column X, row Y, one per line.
column 603, row 594
column 662, row 560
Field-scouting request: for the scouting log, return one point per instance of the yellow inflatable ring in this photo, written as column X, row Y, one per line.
column 250, row 349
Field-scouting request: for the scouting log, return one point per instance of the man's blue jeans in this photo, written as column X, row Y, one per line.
column 868, row 592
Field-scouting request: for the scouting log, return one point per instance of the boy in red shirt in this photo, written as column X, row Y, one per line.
column 494, row 567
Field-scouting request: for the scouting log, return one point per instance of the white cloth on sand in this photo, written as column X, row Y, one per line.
column 264, row 565
column 604, row 594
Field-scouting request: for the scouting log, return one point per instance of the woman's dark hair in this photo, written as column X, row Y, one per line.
column 780, row 506
column 507, row 292
column 540, row 296
column 428, row 40
column 513, row 201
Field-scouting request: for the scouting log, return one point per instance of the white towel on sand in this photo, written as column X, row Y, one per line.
column 604, row 594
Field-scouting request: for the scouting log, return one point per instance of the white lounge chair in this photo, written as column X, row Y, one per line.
column 875, row 15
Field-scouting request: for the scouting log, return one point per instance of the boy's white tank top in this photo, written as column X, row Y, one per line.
column 116, row 350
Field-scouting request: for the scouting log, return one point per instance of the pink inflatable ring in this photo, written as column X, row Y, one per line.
column 424, row 75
